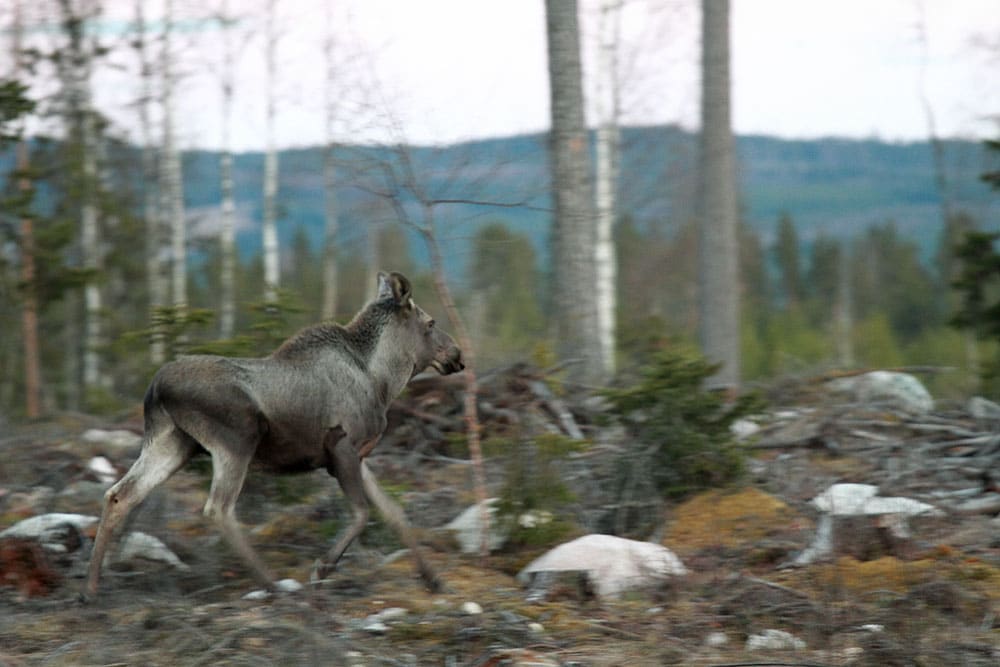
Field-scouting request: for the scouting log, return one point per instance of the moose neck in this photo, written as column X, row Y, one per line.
column 391, row 368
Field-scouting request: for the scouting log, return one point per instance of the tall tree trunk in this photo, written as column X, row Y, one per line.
column 152, row 220
column 844, row 309
column 574, row 277
column 29, row 297
column 607, row 179
column 329, row 307
column 470, row 405
column 718, row 242
column 272, row 266
column 76, row 66
column 173, row 185
column 227, row 234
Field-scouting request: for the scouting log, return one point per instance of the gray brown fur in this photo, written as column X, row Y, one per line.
column 318, row 401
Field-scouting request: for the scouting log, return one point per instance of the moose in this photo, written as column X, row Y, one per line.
column 318, row 401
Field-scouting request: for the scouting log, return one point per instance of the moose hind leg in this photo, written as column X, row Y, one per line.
column 162, row 455
column 345, row 465
column 393, row 514
column 228, row 474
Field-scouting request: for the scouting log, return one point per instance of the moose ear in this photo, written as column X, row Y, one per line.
column 401, row 290
column 395, row 286
column 384, row 288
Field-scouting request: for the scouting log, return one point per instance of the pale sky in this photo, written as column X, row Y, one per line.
column 440, row 71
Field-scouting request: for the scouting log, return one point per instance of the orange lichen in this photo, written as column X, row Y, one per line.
column 729, row 519
column 886, row 573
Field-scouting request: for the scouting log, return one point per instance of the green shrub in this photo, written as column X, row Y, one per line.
column 684, row 429
column 534, row 497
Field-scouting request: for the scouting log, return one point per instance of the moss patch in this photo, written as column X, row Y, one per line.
column 728, row 519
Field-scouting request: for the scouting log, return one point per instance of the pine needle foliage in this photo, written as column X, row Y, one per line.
column 684, row 428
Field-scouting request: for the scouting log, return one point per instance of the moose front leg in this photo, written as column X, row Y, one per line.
column 343, row 463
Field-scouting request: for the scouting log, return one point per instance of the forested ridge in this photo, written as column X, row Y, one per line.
column 804, row 204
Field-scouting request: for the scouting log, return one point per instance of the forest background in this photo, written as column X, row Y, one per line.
column 846, row 252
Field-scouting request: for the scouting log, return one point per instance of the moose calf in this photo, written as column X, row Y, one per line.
column 318, row 401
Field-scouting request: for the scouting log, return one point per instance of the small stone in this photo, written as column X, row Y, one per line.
column 259, row 594
column 982, row 408
column 774, row 640
column 536, row 628
column 392, row 614
column 288, row 586
column 376, row 628
column 716, row 639
column 471, row 609
column 102, row 467
column 744, row 428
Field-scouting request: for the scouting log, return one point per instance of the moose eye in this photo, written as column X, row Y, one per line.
column 430, row 325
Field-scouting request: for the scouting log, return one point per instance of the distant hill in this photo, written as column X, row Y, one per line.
column 835, row 187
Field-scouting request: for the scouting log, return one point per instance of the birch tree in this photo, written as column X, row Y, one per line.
column 227, row 233
column 75, row 65
column 718, row 252
column 152, row 219
column 574, row 279
column 329, row 299
column 272, row 266
column 606, row 185
column 170, row 166
column 843, row 311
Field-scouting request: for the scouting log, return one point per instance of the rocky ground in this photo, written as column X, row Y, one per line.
column 763, row 587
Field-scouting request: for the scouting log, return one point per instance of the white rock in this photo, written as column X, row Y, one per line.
column 260, row 594
column 142, row 545
column 774, row 640
column 983, row 408
column 468, row 529
column 288, row 586
column 534, row 518
column 102, row 467
column 387, row 615
column 744, row 428
column 613, row 564
column 845, row 498
column 895, row 505
column 115, row 439
column 376, row 628
column 716, row 639
column 536, row 628
column 471, row 609
column 900, row 390
column 873, row 627
column 35, row 527
column 863, row 499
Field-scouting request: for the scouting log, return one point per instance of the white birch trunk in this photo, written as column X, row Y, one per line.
column 155, row 284
column 77, row 75
column 173, row 186
column 718, row 243
column 272, row 267
column 227, row 234
column 844, row 312
column 607, row 179
column 329, row 306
